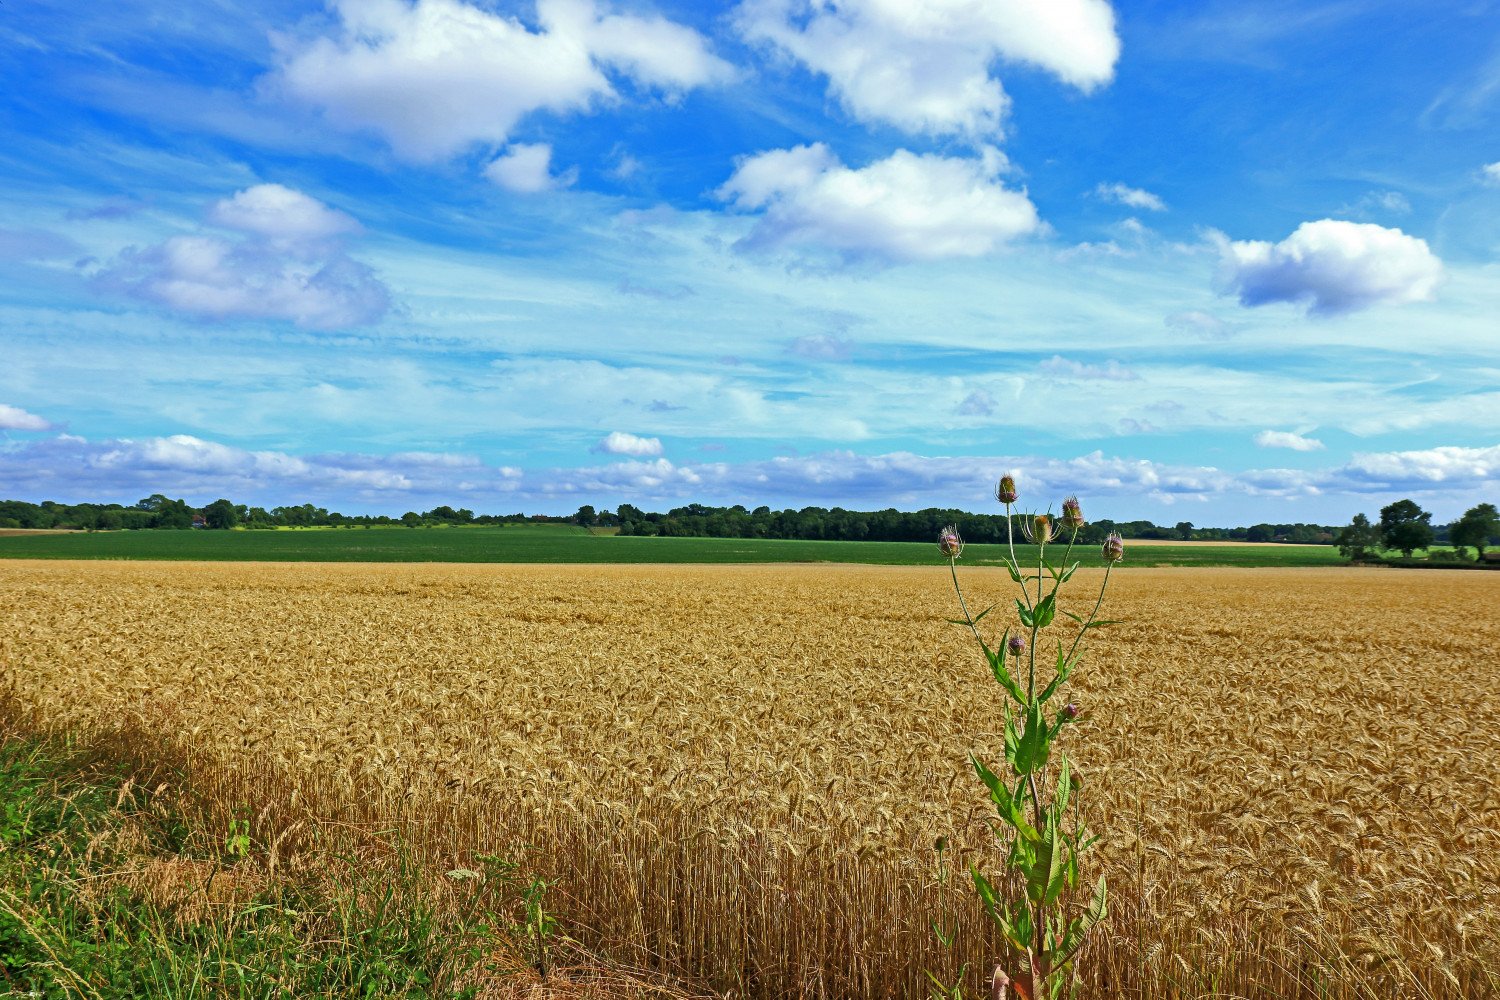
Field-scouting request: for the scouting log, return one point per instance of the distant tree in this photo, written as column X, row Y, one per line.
column 1260, row 533
column 1185, row 530
column 586, row 516
column 411, row 519
column 1405, row 527
column 1476, row 528
column 221, row 515
column 1359, row 540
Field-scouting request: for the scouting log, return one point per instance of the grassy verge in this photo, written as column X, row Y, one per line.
column 531, row 545
column 114, row 883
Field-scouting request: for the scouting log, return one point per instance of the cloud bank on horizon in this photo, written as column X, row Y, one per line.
column 390, row 252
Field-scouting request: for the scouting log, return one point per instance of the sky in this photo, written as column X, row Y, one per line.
column 1224, row 262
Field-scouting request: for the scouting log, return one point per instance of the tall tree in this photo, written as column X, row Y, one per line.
column 586, row 516
column 221, row 514
column 1359, row 539
column 1406, row 527
column 1476, row 528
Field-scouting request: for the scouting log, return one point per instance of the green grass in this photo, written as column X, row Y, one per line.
column 561, row 544
column 107, row 891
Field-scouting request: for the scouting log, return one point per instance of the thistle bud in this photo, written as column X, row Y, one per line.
column 1017, row 644
column 949, row 544
column 1070, row 710
column 1041, row 529
column 1072, row 514
column 1114, row 548
column 1005, row 492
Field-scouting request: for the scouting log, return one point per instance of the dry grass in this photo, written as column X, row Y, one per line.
column 739, row 772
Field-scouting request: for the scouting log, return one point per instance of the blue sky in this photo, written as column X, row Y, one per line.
column 1222, row 262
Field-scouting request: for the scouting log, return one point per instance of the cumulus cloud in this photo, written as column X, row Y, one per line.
column 1432, row 466
column 280, row 213
column 1332, row 267
column 13, row 418
column 526, row 168
column 978, row 403
column 1491, row 173
column 1287, row 439
column 434, row 77
column 287, row 263
column 926, row 67
column 70, row 468
column 1131, row 197
column 621, row 443
column 905, row 207
column 1110, row 371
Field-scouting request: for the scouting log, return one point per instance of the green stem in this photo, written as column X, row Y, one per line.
column 1092, row 614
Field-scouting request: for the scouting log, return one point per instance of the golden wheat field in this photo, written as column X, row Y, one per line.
column 739, row 773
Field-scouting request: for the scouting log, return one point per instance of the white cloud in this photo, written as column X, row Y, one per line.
column 621, row 443
column 1110, row 371
column 13, row 418
column 905, row 207
column 526, row 168
column 925, row 66
column 72, row 469
column 1447, row 465
column 979, row 403
column 278, row 212
column 1120, row 194
column 1491, row 173
column 289, row 265
column 435, row 77
column 1286, row 439
column 1332, row 267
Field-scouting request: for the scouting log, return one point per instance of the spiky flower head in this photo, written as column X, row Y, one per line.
column 1005, row 491
column 1114, row 547
column 1017, row 644
column 1039, row 529
column 1072, row 514
column 949, row 544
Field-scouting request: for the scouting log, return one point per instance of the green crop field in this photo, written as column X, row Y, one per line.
column 561, row 544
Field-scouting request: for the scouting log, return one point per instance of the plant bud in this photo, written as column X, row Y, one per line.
column 1070, row 710
column 1114, row 548
column 1005, row 492
column 1041, row 529
column 1017, row 644
column 949, row 544
column 1072, row 514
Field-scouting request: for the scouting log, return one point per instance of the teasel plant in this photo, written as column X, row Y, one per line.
column 1036, row 790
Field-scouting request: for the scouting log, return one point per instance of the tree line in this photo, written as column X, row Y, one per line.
column 1403, row 526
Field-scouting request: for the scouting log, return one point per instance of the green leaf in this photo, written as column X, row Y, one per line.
column 1045, row 610
column 1056, row 869
column 1015, row 574
column 1068, row 573
column 999, row 793
column 1034, row 746
column 980, row 617
column 1024, row 612
column 1064, row 787
column 997, row 667
column 1074, row 617
column 985, row 890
